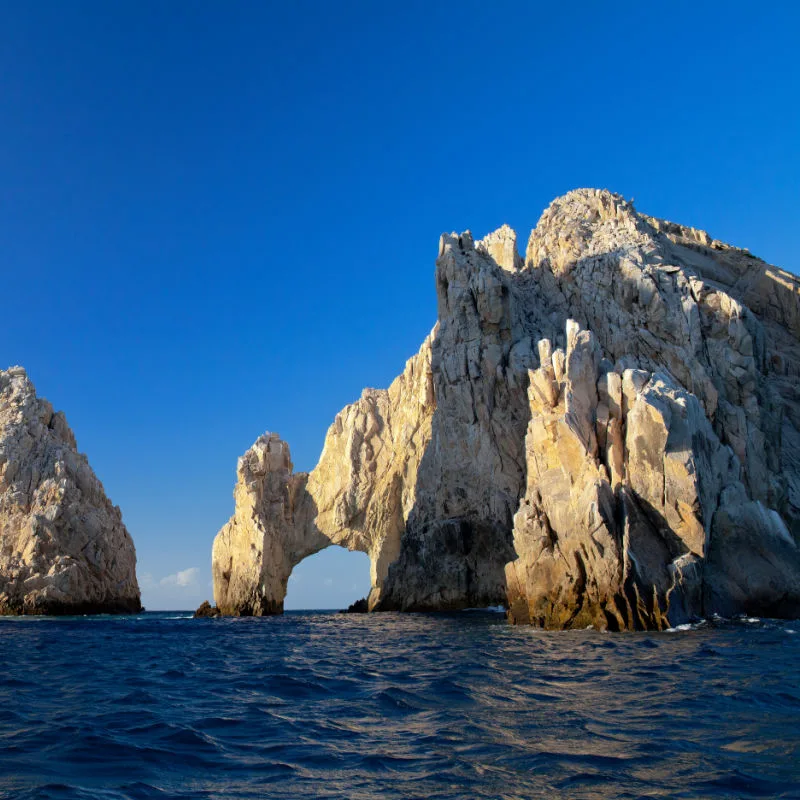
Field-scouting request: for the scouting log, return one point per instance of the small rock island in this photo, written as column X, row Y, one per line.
column 605, row 433
column 63, row 546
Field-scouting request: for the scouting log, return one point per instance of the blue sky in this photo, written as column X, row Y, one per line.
column 218, row 219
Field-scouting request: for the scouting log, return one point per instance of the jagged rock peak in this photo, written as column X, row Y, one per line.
column 501, row 245
column 583, row 223
column 269, row 453
column 63, row 546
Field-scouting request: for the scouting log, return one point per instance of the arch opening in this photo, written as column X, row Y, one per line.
column 332, row 578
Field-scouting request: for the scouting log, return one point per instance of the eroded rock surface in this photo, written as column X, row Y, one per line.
column 605, row 434
column 624, row 476
column 359, row 496
column 63, row 546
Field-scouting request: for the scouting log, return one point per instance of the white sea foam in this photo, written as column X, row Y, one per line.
column 687, row 626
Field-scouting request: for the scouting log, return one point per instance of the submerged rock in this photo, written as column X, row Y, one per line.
column 206, row 610
column 63, row 546
column 359, row 607
column 605, row 434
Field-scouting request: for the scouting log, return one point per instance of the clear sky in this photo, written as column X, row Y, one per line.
column 221, row 218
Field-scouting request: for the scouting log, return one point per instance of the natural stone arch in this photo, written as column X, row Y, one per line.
column 358, row 497
column 512, row 461
column 434, row 462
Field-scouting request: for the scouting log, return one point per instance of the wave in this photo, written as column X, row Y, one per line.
column 441, row 706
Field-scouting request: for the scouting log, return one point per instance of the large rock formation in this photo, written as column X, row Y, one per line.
column 604, row 434
column 63, row 546
column 359, row 495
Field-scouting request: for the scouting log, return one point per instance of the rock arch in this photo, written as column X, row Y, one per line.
column 435, row 460
column 358, row 496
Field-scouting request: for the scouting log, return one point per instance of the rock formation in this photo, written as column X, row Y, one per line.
column 358, row 496
column 63, row 546
column 604, row 434
column 206, row 611
column 358, row 607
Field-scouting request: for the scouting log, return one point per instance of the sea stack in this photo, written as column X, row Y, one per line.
column 63, row 546
column 605, row 433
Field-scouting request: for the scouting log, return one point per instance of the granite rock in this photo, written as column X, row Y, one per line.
column 63, row 546
column 358, row 496
column 606, row 433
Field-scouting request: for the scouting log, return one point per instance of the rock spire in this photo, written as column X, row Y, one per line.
column 63, row 546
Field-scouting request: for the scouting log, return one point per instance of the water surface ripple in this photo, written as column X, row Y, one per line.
column 321, row 705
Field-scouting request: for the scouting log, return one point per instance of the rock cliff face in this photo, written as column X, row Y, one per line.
column 63, row 546
column 604, row 434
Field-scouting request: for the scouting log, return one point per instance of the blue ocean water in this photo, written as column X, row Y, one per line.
column 322, row 705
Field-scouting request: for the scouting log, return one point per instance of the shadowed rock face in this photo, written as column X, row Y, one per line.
column 604, row 434
column 63, row 546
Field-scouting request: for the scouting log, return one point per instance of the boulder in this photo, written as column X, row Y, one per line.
column 359, row 607
column 206, row 611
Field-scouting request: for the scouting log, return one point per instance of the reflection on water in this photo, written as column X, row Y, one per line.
column 394, row 706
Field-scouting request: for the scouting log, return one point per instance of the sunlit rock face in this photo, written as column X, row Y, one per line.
column 605, row 434
column 624, row 475
column 63, row 546
column 358, row 496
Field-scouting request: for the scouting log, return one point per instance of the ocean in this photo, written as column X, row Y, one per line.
column 325, row 705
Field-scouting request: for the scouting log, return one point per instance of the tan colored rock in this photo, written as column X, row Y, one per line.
column 359, row 496
column 569, row 564
column 610, row 535
column 63, row 546
column 255, row 552
column 410, row 462
column 657, row 298
column 577, row 417
column 457, row 537
column 501, row 245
